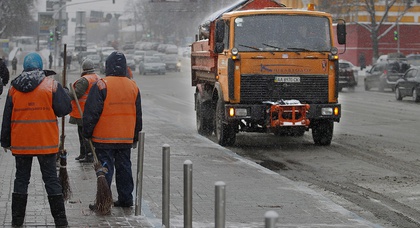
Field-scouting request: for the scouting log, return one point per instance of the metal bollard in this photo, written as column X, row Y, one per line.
column 140, row 162
column 165, row 184
column 271, row 218
column 187, row 194
column 220, row 204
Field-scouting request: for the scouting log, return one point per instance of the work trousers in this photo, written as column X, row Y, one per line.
column 84, row 143
column 47, row 164
column 121, row 159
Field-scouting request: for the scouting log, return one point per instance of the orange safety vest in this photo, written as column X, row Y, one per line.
column 91, row 78
column 34, row 127
column 118, row 119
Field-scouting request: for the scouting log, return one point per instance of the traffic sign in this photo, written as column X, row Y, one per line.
column 46, row 22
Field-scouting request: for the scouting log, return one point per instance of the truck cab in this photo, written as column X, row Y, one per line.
column 269, row 70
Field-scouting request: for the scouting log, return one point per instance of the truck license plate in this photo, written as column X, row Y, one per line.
column 287, row 79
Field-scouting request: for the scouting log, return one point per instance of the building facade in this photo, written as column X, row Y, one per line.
column 397, row 35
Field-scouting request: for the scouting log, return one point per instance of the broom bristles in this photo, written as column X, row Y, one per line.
column 103, row 199
column 64, row 177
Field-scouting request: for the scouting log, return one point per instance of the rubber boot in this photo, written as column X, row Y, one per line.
column 18, row 208
column 58, row 210
column 87, row 159
column 82, row 152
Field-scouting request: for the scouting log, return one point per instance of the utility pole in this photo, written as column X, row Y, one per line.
column 398, row 36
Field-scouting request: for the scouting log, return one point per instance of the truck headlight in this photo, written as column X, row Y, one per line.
column 327, row 111
column 238, row 112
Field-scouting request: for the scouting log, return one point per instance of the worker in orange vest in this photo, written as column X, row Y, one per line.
column 113, row 120
column 30, row 129
column 82, row 87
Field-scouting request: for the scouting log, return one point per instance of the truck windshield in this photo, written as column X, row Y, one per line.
column 282, row 33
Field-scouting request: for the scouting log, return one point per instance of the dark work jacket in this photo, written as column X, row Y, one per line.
column 4, row 72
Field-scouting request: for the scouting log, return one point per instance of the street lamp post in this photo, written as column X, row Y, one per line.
column 58, row 42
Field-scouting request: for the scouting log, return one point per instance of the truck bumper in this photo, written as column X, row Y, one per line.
column 261, row 112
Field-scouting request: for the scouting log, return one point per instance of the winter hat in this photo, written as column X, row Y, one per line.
column 32, row 61
column 116, row 64
column 88, row 65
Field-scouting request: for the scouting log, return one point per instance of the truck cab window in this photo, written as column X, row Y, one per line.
column 281, row 33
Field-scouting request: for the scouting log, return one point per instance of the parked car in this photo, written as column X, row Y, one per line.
column 96, row 59
column 130, row 61
column 171, row 49
column 138, row 56
column 392, row 56
column 152, row 64
column 409, row 85
column 173, row 63
column 385, row 74
column 128, row 46
column 413, row 59
column 348, row 75
column 186, row 52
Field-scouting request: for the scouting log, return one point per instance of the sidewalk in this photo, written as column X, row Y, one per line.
column 251, row 190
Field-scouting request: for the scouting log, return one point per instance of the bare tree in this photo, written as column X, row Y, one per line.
column 14, row 17
column 350, row 7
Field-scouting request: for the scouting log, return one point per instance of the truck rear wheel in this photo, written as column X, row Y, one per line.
column 367, row 87
column 416, row 97
column 322, row 132
column 398, row 95
column 225, row 133
column 204, row 116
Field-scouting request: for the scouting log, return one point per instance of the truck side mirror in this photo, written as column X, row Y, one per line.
column 219, row 36
column 341, row 32
column 220, row 31
column 219, row 47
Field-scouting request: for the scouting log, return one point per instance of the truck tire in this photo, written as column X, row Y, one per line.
column 398, row 94
column 416, row 97
column 367, row 87
column 381, row 87
column 204, row 116
column 322, row 132
column 225, row 133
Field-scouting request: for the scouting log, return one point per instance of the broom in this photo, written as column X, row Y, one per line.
column 63, row 175
column 103, row 200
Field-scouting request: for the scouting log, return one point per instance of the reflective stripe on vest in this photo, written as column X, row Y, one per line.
column 118, row 118
column 91, row 78
column 34, row 125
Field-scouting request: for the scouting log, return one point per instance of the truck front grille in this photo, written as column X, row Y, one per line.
column 259, row 88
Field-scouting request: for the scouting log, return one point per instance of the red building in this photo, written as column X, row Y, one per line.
column 359, row 41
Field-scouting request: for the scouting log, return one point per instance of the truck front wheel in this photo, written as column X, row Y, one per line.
column 204, row 116
column 225, row 133
column 322, row 132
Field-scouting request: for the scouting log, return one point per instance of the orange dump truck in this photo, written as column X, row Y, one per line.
column 269, row 70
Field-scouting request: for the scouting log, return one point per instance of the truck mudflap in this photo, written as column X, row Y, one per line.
column 288, row 113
